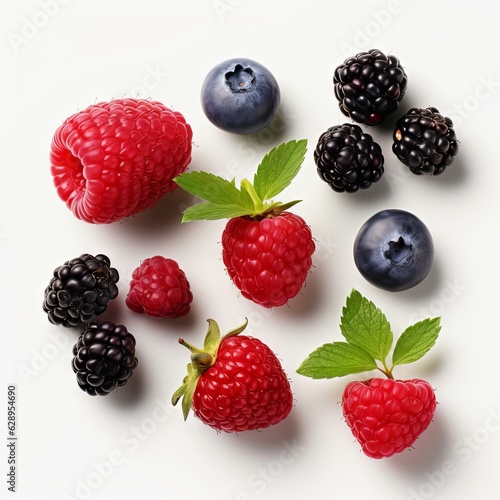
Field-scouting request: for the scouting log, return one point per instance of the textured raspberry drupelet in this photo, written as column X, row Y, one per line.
column 104, row 358
column 268, row 259
column 234, row 383
column 370, row 86
column 80, row 290
column 116, row 159
column 386, row 416
column 245, row 389
column 159, row 288
column 348, row 159
column 425, row 141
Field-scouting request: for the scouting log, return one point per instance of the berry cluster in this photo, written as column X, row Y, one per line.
column 369, row 87
column 114, row 160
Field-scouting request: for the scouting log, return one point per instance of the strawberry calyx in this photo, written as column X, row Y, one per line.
column 223, row 199
column 201, row 360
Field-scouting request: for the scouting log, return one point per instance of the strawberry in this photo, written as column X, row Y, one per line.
column 267, row 250
column 235, row 383
column 159, row 288
column 116, row 159
column 385, row 415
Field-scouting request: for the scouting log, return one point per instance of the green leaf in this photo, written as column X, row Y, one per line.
column 416, row 341
column 278, row 168
column 224, row 199
column 212, row 211
column 336, row 359
column 365, row 325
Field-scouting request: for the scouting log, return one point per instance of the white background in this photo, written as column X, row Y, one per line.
column 59, row 57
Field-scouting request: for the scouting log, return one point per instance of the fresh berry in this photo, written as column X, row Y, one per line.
column 80, row 290
column 116, row 159
column 267, row 249
column 348, row 159
column 104, row 358
column 268, row 259
column 385, row 415
column 159, row 288
column 394, row 250
column 370, row 86
column 425, row 141
column 235, row 383
column 240, row 96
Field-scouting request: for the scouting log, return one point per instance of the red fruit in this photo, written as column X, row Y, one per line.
column 386, row 416
column 116, row 159
column 160, row 289
column 235, row 383
column 268, row 259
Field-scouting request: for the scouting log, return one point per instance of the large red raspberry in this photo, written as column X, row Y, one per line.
column 160, row 289
column 235, row 384
column 386, row 416
column 268, row 259
column 116, row 159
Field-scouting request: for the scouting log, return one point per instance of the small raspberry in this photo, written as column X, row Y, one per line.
column 160, row 289
column 268, row 259
column 116, row 159
column 235, row 383
column 386, row 416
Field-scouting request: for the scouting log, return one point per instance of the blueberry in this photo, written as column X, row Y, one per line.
column 240, row 96
column 394, row 250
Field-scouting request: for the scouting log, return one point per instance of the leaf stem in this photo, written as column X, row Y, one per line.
column 250, row 189
column 386, row 371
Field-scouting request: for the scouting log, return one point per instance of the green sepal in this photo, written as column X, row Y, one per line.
column 201, row 361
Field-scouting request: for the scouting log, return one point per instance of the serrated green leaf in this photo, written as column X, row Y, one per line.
column 366, row 326
column 416, row 341
column 211, row 211
column 278, row 168
column 223, row 199
column 336, row 359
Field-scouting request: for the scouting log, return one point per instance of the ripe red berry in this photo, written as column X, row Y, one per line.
column 386, row 416
column 266, row 249
column 235, row 384
column 116, row 159
column 160, row 289
column 268, row 259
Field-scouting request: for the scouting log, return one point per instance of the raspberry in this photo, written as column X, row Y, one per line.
column 159, row 288
column 235, row 383
column 80, row 289
column 425, row 141
column 116, row 159
column 268, row 259
column 386, row 416
column 348, row 159
column 370, row 86
column 104, row 358
column 266, row 249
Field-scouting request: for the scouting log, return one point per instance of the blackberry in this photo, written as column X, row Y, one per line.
column 425, row 141
column 348, row 159
column 104, row 358
column 369, row 86
column 80, row 289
